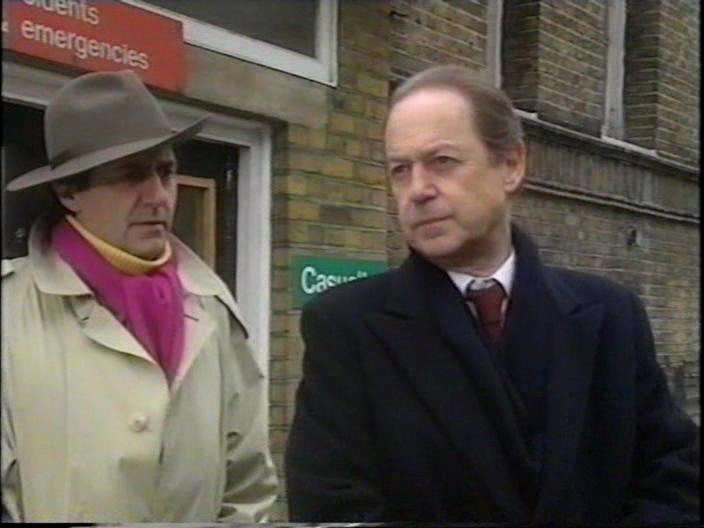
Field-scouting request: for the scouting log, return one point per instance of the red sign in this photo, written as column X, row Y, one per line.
column 98, row 35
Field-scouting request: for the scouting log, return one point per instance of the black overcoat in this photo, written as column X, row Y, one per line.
column 404, row 414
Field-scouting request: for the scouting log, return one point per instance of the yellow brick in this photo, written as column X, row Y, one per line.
column 304, row 161
column 303, row 210
column 339, row 168
column 335, row 237
column 353, row 239
column 297, row 233
column 371, row 85
column 353, row 103
column 378, row 197
column 280, row 257
column 280, row 301
column 375, row 109
column 298, row 134
column 317, row 138
column 353, row 148
column 296, row 184
column 374, row 130
column 377, row 151
column 342, row 123
column 370, row 218
column 371, row 174
column 290, row 183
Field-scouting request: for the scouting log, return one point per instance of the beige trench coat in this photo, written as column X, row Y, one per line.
column 92, row 432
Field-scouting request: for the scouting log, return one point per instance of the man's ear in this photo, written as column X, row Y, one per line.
column 515, row 165
column 67, row 196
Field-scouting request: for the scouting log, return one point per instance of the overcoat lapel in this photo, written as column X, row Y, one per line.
column 552, row 338
column 568, row 386
column 427, row 329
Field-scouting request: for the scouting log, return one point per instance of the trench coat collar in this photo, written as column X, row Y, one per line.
column 55, row 277
column 423, row 300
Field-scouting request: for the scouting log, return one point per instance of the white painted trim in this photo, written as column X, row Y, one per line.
column 494, row 21
column 35, row 87
column 253, row 214
column 630, row 146
column 625, row 145
column 322, row 68
column 613, row 106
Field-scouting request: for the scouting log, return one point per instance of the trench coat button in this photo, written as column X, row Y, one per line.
column 138, row 422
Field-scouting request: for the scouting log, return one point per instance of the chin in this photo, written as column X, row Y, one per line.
column 439, row 249
column 152, row 252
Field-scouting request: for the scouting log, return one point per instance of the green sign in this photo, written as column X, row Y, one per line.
column 314, row 275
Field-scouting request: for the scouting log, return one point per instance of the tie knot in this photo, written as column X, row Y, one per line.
column 487, row 301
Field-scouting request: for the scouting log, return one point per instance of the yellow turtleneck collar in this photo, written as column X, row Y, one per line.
column 123, row 261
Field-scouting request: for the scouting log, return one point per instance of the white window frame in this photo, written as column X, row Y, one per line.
column 321, row 68
column 25, row 85
column 494, row 20
column 613, row 126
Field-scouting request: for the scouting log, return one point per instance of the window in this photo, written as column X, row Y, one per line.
column 613, row 112
column 298, row 37
column 494, row 17
column 194, row 221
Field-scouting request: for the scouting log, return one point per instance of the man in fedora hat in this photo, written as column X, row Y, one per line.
column 129, row 392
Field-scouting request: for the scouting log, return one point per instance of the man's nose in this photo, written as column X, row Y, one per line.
column 422, row 186
column 155, row 191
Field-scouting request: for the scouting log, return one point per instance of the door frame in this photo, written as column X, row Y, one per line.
column 35, row 87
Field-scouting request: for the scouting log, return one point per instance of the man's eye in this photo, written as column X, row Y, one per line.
column 167, row 174
column 398, row 170
column 129, row 177
column 442, row 161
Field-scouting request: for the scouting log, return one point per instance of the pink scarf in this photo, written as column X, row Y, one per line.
column 150, row 306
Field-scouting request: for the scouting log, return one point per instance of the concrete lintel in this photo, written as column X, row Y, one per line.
column 234, row 83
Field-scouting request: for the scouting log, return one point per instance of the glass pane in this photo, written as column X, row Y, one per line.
column 189, row 217
column 22, row 151
column 288, row 24
column 204, row 159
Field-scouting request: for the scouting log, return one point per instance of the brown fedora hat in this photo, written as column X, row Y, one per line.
column 97, row 118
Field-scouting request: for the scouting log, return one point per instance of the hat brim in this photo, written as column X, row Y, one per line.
column 80, row 164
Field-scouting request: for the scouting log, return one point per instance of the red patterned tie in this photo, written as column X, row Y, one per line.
column 488, row 301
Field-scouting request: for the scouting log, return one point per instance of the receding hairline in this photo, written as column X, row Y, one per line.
column 489, row 109
column 467, row 101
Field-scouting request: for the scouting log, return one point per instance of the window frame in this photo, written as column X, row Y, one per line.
column 494, row 37
column 613, row 126
column 322, row 68
column 206, row 226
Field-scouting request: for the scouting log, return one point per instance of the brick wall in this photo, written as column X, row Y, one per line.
column 554, row 60
column 424, row 33
column 329, row 196
column 661, row 95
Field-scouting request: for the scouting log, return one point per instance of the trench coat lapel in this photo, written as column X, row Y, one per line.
column 199, row 327
column 426, row 327
column 101, row 326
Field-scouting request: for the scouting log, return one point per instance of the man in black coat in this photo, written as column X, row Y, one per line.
column 475, row 384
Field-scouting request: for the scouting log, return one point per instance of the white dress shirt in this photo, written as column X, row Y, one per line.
column 503, row 275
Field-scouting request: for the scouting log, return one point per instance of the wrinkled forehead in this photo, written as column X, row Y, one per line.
column 429, row 116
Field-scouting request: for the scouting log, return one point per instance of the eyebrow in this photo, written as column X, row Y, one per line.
column 426, row 153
